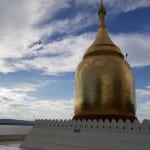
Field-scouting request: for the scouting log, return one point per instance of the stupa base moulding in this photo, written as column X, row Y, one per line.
column 88, row 135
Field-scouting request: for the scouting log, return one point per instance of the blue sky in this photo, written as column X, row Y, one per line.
column 43, row 41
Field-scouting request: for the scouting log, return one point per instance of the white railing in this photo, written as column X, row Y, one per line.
column 92, row 125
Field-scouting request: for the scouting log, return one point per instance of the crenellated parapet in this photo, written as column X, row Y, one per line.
column 121, row 126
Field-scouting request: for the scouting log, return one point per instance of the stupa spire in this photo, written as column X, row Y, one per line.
column 103, row 43
column 102, row 14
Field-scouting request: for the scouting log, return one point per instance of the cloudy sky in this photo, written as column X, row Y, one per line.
column 42, row 41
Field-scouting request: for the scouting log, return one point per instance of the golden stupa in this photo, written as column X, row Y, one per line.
column 104, row 84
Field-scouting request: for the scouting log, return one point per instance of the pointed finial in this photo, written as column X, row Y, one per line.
column 101, row 2
column 102, row 14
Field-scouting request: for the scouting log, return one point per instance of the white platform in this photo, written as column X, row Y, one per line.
column 88, row 135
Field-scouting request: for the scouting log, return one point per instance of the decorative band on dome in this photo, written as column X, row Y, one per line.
column 104, row 117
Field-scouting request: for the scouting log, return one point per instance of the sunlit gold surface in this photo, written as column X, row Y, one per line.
column 104, row 80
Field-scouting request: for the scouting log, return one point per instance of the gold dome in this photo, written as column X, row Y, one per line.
column 104, row 83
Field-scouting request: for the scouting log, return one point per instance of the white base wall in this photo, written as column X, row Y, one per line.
column 90, row 135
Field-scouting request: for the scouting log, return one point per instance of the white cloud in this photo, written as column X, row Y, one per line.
column 147, row 87
column 70, row 25
column 18, row 34
column 16, row 103
column 29, row 109
column 18, row 27
column 142, row 92
column 67, row 53
column 143, row 110
column 9, row 94
column 115, row 5
column 146, row 106
column 137, row 47
column 143, row 103
column 19, row 91
column 25, row 87
column 29, row 11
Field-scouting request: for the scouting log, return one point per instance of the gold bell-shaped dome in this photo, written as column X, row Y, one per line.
column 104, row 84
